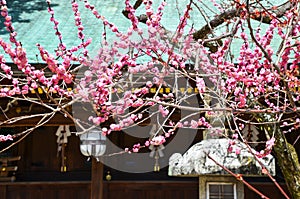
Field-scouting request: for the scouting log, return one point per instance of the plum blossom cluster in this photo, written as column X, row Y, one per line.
column 36, row 77
column 61, row 46
column 92, row 8
column 131, row 15
column 183, row 22
column 232, row 147
column 257, row 80
column 4, row 138
column 200, row 123
column 158, row 140
column 133, row 99
column 259, row 71
column 154, row 19
column 269, row 145
column 292, row 126
column 253, row 79
column 19, row 58
column 200, row 84
column 77, row 18
column 150, row 46
column 155, row 141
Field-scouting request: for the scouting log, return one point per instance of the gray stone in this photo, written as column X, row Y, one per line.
column 196, row 162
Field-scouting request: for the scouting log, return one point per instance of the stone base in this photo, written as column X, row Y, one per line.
column 196, row 162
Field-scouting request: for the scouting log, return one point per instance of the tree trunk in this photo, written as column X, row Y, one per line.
column 287, row 160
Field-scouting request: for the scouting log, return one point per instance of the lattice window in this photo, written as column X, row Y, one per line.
column 219, row 190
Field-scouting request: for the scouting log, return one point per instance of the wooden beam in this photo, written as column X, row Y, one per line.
column 8, row 179
column 10, row 159
column 8, row 169
column 97, row 180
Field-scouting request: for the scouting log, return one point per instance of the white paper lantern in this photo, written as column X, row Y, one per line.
column 92, row 143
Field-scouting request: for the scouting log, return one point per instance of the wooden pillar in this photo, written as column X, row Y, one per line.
column 97, row 180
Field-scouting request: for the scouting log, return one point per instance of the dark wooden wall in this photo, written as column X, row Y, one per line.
column 40, row 160
column 43, row 190
column 118, row 190
column 112, row 190
column 151, row 190
column 269, row 189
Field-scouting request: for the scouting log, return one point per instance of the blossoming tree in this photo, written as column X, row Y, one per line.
column 241, row 63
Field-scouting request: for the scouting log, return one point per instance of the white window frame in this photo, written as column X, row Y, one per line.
column 219, row 179
column 221, row 183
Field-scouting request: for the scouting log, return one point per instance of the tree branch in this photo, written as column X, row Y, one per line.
column 230, row 14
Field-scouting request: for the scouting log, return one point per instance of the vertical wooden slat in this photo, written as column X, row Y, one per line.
column 3, row 192
column 97, row 180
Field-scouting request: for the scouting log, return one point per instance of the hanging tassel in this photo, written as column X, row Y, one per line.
column 156, row 165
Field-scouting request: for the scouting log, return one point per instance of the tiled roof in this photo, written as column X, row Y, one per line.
column 31, row 21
